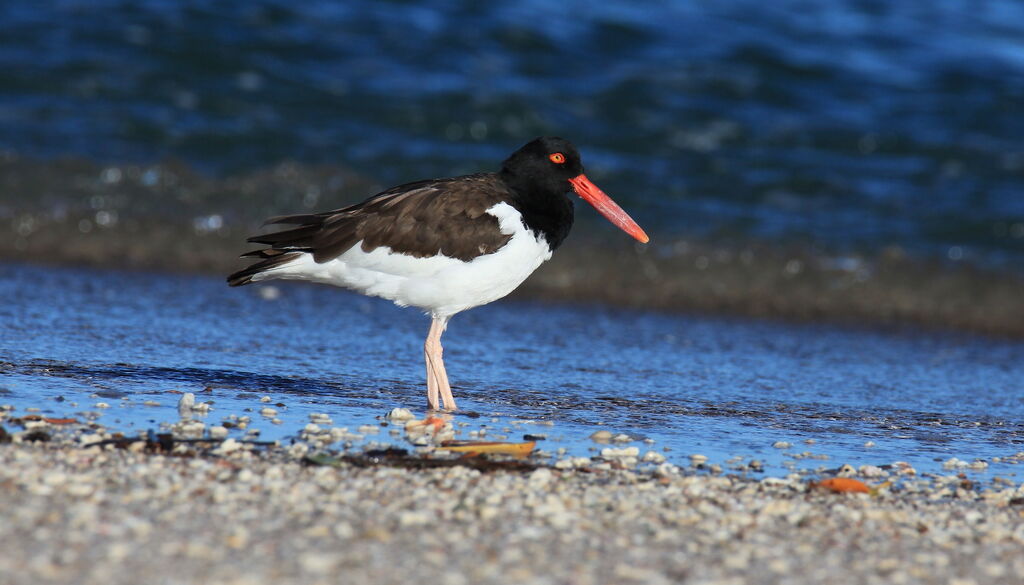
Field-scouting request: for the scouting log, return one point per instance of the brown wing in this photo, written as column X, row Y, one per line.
column 446, row 216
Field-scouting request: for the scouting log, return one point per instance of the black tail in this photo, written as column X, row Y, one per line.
column 269, row 258
column 285, row 245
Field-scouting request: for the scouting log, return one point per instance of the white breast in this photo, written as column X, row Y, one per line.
column 440, row 285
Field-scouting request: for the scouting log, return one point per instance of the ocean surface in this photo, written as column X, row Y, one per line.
column 853, row 125
column 726, row 389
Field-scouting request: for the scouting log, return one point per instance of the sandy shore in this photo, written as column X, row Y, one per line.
column 237, row 513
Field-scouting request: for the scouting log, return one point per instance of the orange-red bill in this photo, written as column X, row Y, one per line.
column 606, row 207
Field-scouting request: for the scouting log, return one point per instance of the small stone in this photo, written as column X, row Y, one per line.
column 623, row 452
column 782, row 445
column 653, row 457
column 954, row 463
column 540, row 477
column 413, row 518
column 601, row 436
column 904, row 468
column 185, row 403
column 871, row 471
column 698, row 459
column 267, row 411
column 89, row 439
column 666, row 470
column 102, row 405
column 218, row 432
column 228, row 446
column 265, row 399
column 399, row 414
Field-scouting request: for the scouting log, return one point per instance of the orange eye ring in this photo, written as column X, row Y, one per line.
column 557, row 158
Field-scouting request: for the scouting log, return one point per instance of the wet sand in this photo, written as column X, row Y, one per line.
column 234, row 513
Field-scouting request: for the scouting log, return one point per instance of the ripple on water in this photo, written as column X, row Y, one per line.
column 722, row 388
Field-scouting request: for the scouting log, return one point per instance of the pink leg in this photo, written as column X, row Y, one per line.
column 437, row 377
column 432, row 384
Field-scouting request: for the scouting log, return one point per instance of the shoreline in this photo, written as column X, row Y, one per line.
column 964, row 300
column 263, row 514
column 168, row 217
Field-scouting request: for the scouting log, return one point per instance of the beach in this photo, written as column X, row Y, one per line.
column 250, row 515
column 811, row 373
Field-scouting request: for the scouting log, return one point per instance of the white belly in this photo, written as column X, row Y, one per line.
column 440, row 285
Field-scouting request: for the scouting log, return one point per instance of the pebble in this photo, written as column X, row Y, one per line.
column 653, row 457
column 267, row 411
column 320, row 419
column 185, row 403
column 954, row 463
column 871, row 471
column 782, row 445
column 400, row 414
column 623, row 452
column 602, row 436
column 228, row 446
column 234, row 513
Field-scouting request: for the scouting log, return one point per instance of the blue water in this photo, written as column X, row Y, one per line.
column 716, row 387
column 851, row 124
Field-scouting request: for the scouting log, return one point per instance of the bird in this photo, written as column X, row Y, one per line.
column 441, row 245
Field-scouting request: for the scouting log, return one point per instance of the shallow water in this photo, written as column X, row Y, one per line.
column 722, row 388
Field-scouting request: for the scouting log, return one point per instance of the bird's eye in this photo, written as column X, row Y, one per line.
column 557, row 158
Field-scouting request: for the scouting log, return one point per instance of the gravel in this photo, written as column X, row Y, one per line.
column 236, row 512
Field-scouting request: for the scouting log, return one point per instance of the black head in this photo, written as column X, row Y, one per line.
column 544, row 164
column 541, row 172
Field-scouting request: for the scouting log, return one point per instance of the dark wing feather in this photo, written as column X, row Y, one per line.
column 421, row 219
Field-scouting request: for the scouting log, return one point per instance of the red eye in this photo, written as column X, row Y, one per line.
column 557, row 158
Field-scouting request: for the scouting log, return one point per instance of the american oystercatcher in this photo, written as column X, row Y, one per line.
column 443, row 245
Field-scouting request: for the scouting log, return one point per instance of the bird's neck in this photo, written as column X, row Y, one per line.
column 547, row 212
